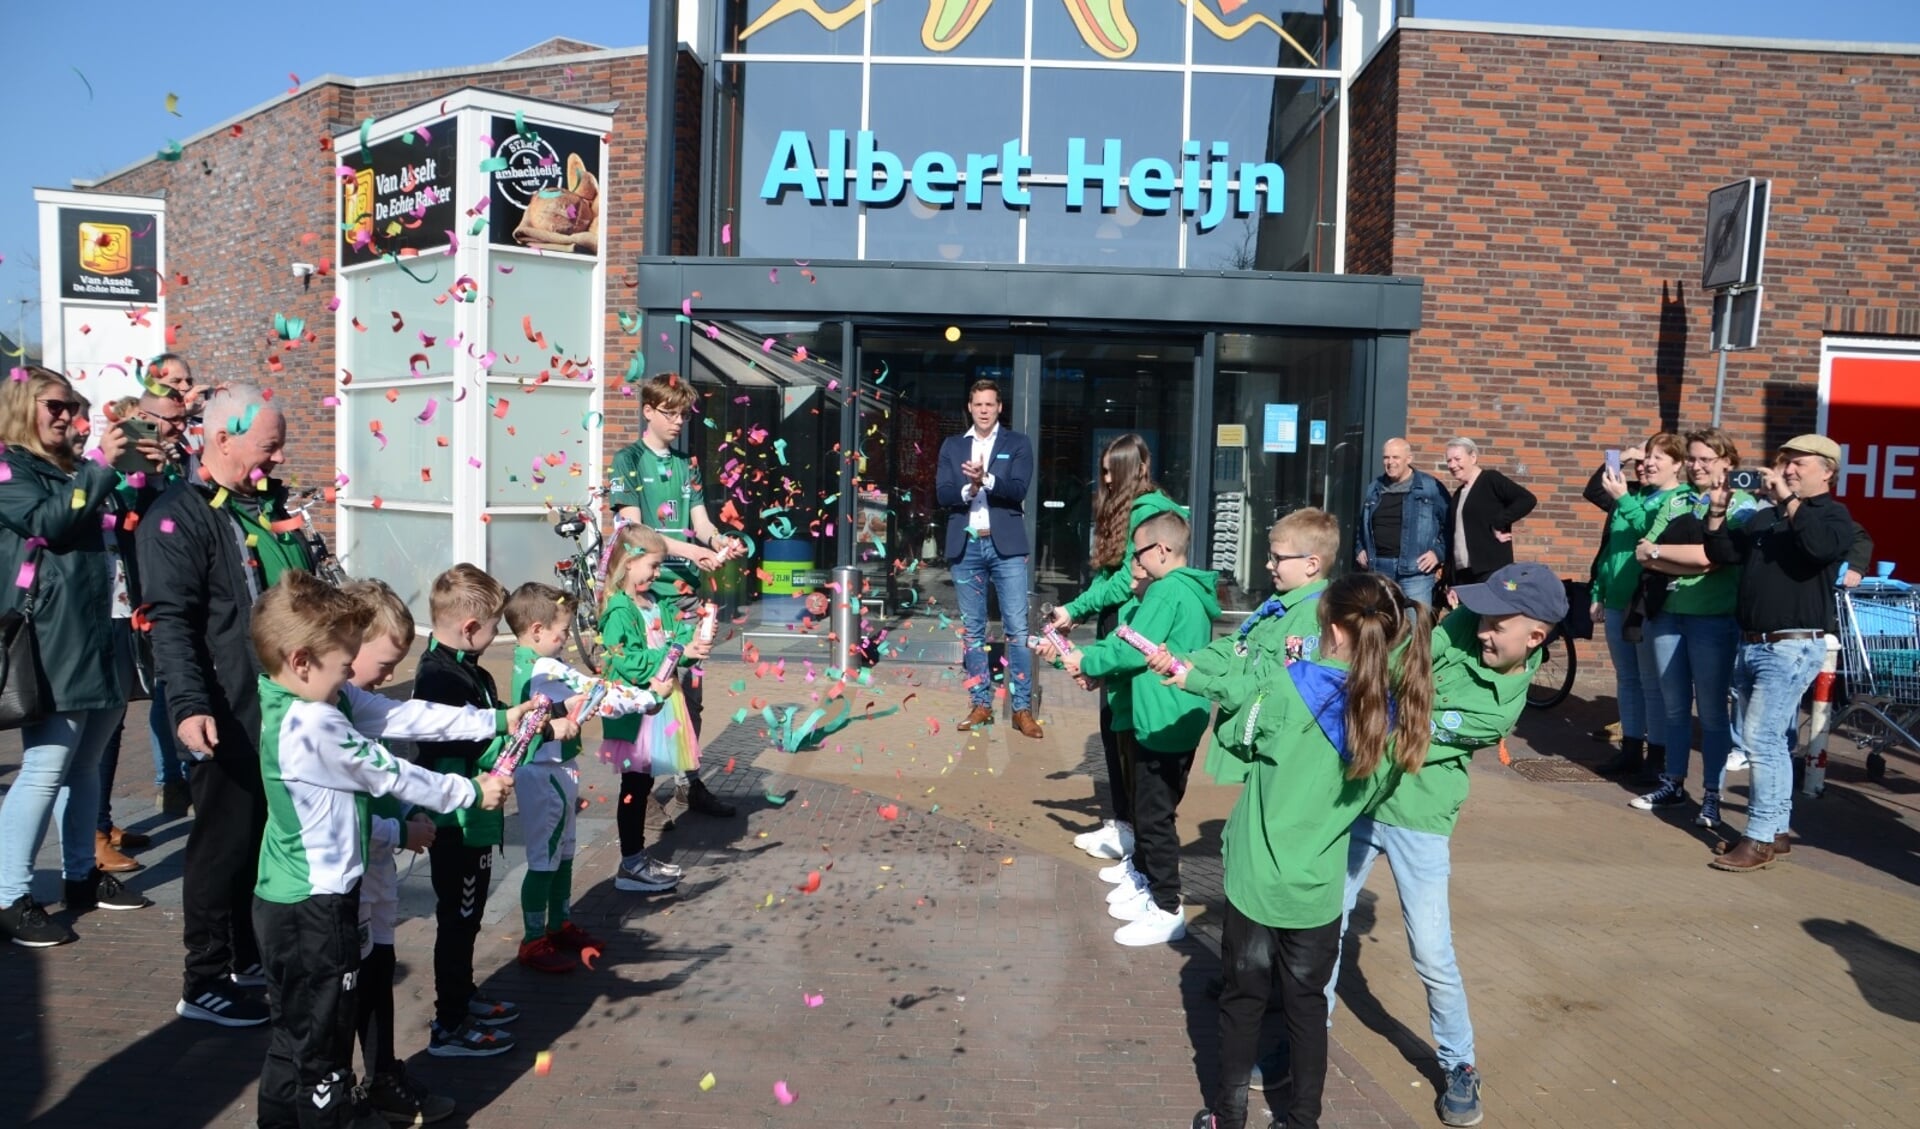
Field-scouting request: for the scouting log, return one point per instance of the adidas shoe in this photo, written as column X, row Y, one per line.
column 542, row 955
column 1671, row 794
column 252, row 976
column 649, row 877
column 468, row 1040
column 219, row 1005
column 489, row 1012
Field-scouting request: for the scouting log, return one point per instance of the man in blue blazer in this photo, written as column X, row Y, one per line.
column 982, row 481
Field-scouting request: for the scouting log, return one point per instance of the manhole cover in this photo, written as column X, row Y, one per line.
column 1553, row 770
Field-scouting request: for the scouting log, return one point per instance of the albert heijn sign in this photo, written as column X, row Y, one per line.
column 1870, row 405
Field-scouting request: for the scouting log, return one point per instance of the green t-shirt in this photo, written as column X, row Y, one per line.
column 1710, row 593
column 275, row 553
column 665, row 489
column 1285, row 845
column 1473, row 707
column 1637, row 516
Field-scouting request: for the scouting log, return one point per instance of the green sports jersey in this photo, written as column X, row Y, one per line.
column 665, row 489
column 1473, row 707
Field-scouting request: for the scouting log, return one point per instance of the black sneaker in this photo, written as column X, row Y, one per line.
column 701, row 799
column 404, row 1101
column 100, row 890
column 469, row 1040
column 219, row 1004
column 489, row 1012
column 1672, row 793
column 252, row 976
column 25, row 923
column 1460, row 1105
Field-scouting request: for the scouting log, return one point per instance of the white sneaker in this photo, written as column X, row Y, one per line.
column 1121, row 871
column 1154, row 926
column 1116, row 844
column 1086, row 839
column 1131, row 909
column 1134, row 885
column 1736, row 761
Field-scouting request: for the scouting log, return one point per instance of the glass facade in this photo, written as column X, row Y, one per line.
column 1028, row 131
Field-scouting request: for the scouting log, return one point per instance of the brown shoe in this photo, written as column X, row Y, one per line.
column 108, row 859
column 124, row 840
column 1750, row 854
column 1023, row 721
column 1782, row 845
column 977, row 717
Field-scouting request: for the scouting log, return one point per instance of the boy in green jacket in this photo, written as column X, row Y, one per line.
column 1159, row 726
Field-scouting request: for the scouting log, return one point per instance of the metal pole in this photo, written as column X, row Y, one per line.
column 1723, row 333
column 1719, row 387
column 846, row 617
column 663, row 50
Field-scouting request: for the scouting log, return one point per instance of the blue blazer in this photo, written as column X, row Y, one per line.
column 1011, row 466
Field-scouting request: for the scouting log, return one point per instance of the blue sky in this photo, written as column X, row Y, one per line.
column 86, row 107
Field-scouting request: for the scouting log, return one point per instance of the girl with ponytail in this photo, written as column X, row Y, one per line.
column 1331, row 738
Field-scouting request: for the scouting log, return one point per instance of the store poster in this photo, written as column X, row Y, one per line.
column 1280, row 429
column 397, row 195
column 545, row 190
column 109, row 256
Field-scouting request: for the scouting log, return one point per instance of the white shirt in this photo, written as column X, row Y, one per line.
column 978, row 519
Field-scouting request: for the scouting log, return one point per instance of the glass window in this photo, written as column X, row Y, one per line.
column 766, row 100
column 1266, row 119
column 523, row 547
column 552, row 295
column 538, row 451
column 381, row 346
column 1269, row 392
column 387, row 544
column 1124, row 237
column 1251, row 36
column 980, row 30
column 1140, row 110
column 912, row 228
column 404, row 462
column 794, row 27
column 1108, row 29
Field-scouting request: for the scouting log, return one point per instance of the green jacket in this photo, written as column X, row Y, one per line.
column 1177, row 612
column 1285, row 845
column 1113, row 587
column 1716, row 592
column 623, row 630
column 1231, row 672
column 1616, row 573
column 1473, row 707
column 73, row 574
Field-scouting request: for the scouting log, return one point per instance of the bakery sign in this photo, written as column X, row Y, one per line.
column 109, row 256
column 545, row 191
column 396, row 196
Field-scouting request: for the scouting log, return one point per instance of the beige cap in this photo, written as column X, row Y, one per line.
column 1813, row 445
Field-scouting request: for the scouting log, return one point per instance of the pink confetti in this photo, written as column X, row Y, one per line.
column 426, row 413
column 473, row 462
column 166, row 525
column 6, row 472
column 329, row 401
column 726, row 234
column 686, row 306
column 25, row 579
column 333, row 304
column 773, row 276
column 767, row 345
column 813, row 1001
column 800, row 354
column 782, row 1093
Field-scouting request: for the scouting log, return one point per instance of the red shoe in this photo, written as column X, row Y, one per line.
column 571, row 936
column 542, row 955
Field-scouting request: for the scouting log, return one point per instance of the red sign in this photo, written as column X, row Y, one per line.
column 1870, row 405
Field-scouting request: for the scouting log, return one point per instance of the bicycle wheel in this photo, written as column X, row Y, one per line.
column 586, row 631
column 1553, row 681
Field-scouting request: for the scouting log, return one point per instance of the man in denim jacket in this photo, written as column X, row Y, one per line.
column 1407, row 510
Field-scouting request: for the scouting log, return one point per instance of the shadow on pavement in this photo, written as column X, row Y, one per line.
column 1888, row 974
column 1366, row 1008
column 223, row 1065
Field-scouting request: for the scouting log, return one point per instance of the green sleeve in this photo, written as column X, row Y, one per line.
column 1109, row 590
column 624, row 484
column 1208, row 665
column 629, row 659
column 1110, row 658
column 1459, row 631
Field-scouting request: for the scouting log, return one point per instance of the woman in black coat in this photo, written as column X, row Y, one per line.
column 56, row 551
column 1480, row 520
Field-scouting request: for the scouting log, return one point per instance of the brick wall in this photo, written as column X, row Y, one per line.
column 1551, row 192
column 238, row 206
column 1373, row 114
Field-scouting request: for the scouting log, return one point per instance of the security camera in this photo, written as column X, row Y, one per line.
column 303, row 270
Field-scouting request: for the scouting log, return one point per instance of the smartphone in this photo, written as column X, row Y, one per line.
column 1613, row 460
column 133, row 460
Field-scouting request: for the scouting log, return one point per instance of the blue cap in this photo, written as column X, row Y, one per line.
column 1530, row 589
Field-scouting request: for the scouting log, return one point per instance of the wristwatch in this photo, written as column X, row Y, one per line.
column 1653, row 554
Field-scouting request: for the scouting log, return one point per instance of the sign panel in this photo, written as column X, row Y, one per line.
column 397, row 194
column 545, row 191
column 109, row 256
column 1280, row 429
column 1736, row 234
column 1870, row 405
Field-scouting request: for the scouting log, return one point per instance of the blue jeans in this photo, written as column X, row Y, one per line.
column 1421, row 862
column 1636, row 681
column 168, row 768
column 59, row 779
column 1771, row 678
column 1694, row 657
column 978, row 564
column 1416, row 584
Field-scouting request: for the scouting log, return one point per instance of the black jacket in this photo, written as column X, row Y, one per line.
column 1495, row 502
column 199, row 582
column 73, row 598
column 1788, row 566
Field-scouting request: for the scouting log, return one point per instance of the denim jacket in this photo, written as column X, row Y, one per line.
column 1423, row 520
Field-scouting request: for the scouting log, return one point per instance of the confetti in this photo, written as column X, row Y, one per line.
column 811, row 884
column 707, row 1082
column 889, row 812
column 781, row 1093
column 813, row 1001
column 173, row 104
column 776, row 799
column 543, row 1063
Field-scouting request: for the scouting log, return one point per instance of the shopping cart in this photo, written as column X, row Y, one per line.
column 1879, row 624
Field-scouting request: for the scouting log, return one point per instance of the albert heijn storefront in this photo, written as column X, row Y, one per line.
column 1129, row 217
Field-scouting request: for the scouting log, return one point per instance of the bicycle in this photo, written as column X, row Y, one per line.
column 326, row 566
column 1559, row 661
column 579, row 576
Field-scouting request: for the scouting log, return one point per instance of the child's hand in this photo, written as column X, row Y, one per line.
column 1161, row 661
column 515, row 714
column 1085, row 682
column 1060, row 621
column 699, row 649
column 1071, row 660
column 419, row 833
column 1045, row 652
column 662, row 688
column 494, row 790
column 562, row 727
column 1179, row 678
column 572, row 705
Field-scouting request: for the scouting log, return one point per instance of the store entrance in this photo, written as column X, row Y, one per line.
column 1070, row 394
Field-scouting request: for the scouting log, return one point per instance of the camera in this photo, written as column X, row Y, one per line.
column 1745, row 478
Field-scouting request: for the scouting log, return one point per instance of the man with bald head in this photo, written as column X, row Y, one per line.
column 1403, row 520
column 207, row 549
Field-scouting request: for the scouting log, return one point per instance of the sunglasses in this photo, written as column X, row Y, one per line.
column 58, row 408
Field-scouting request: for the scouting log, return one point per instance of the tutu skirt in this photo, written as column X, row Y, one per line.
column 665, row 745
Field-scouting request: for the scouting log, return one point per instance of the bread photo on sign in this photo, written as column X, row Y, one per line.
column 564, row 220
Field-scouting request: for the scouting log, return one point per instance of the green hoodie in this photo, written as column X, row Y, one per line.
column 1113, row 587
column 623, row 628
column 1177, row 611
column 1616, row 573
column 1232, row 671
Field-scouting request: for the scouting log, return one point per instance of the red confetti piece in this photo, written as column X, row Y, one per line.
column 811, row 884
column 889, row 812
